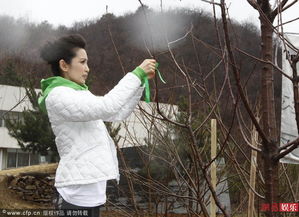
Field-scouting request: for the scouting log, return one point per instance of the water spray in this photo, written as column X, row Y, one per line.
column 156, row 29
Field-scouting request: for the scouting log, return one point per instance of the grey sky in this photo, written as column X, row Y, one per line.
column 67, row 12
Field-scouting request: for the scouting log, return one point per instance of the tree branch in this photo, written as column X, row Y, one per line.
column 289, row 148
column 253, row 3
column 279, row 8
column 237, row 74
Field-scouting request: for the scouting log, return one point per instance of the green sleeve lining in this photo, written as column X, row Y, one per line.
column 140, row 73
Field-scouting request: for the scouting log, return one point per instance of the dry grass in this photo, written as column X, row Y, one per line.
column 43, row 168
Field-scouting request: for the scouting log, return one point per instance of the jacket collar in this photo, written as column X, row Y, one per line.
column 50, row 83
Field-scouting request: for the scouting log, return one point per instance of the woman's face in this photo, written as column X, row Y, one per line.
column 77, row 71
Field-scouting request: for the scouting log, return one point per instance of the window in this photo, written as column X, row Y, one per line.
column 34, row 159
column 19, row 158
column 23, row 159
column 11, row 158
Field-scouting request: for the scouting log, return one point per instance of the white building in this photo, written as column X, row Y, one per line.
column 13, row 101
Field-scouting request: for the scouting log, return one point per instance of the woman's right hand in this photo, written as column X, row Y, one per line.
column 149, row 67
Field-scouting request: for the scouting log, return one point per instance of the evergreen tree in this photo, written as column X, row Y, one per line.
column 33, row 131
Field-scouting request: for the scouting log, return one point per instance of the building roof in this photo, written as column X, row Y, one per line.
column 14, row 98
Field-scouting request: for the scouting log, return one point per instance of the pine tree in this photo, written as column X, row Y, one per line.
column 33, row 131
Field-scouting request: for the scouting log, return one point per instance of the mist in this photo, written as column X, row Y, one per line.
column 156, row 31
column 19, row 37
column 13, row 34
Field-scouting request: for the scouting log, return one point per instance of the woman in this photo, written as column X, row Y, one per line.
column 87, row 153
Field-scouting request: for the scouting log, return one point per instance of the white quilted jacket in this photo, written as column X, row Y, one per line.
column 87, row 152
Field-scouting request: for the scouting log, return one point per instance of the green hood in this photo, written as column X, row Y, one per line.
column 48, row 84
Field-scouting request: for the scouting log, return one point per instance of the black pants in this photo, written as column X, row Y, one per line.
column 70, row 210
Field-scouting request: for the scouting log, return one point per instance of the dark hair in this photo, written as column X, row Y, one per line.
column 63, row 48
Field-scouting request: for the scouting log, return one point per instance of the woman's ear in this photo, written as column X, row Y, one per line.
column 63, row 65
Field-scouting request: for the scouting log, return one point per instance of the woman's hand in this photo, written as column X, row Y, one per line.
column 149, row 67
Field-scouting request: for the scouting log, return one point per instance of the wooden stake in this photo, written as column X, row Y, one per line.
column 213, row 165
column 250, row 212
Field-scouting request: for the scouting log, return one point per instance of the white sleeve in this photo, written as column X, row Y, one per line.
column 128, row 108
column 67, row 104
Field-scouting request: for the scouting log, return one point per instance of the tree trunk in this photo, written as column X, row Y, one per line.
column 268, row 118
